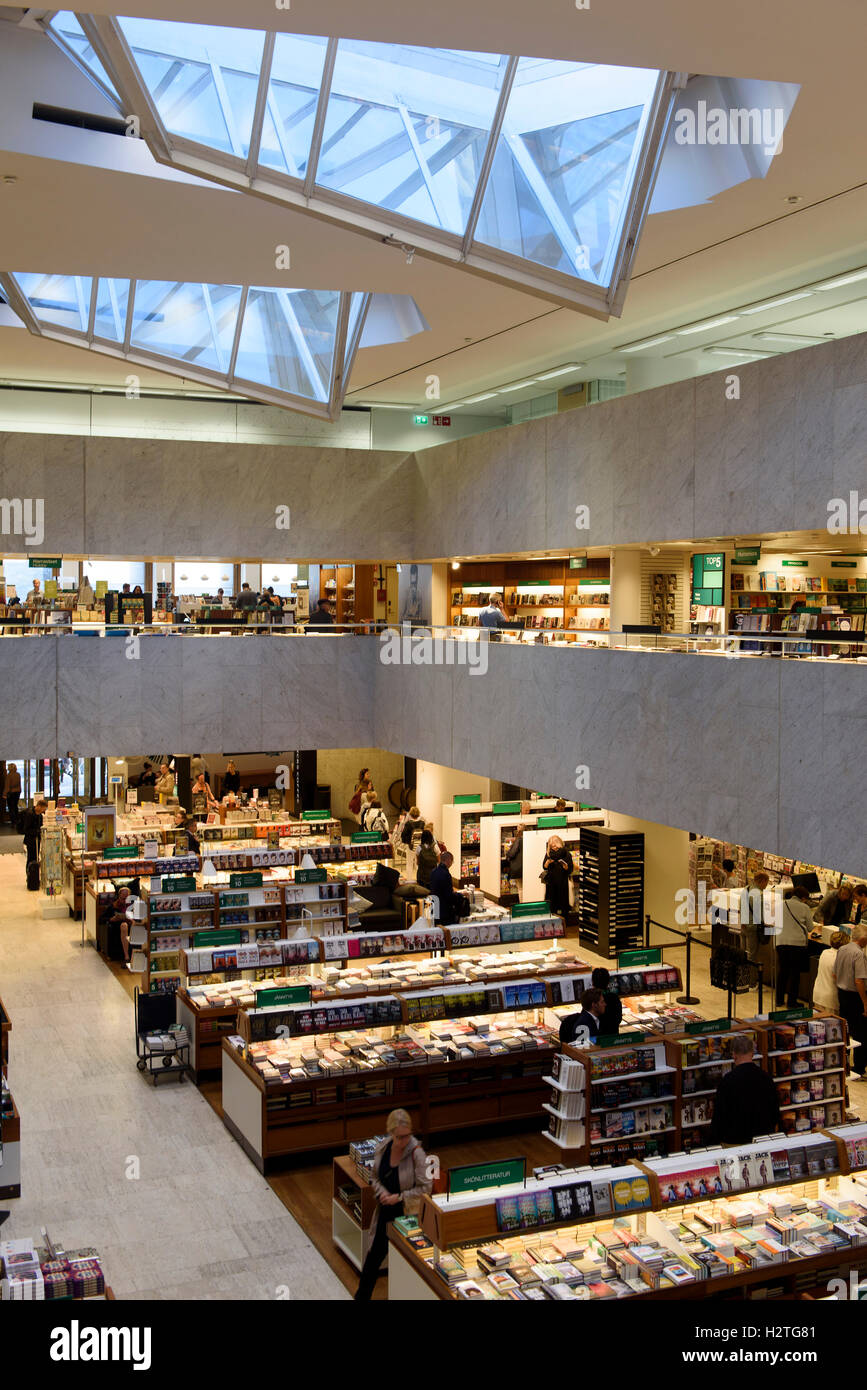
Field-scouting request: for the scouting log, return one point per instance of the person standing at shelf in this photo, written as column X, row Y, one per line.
column 427, row 859
column 729, row 877
column 413, row 822
column 824, row 986
column 198, row 765
column 601, row 979
column 751, row 928
column 118, row 919
column 513, row 859
column 557, row 870
column 746, row 1101
column 322, row 619
column 12, row 791
column 247, row 598
column 201, row 788
column 443, row 888
column 231, row 779
column 399, row 1180
column 165, row 783
column 148, row 777
column 850, row 977
column 792, row 954
column 859, row 900
column 35, row 593
column 494, row 615
column 592, row 1012
column 835, row 907
column 355, row 802
column 31, row 828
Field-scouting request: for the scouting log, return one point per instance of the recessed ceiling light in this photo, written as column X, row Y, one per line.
column 484, row 396
column 10, row 178
column 796, row 338
column 842, row 280
column 793, row 198
column 456, row 564
column 775, row 303
column 651, row 342
column 515, row 386
column 735, row 352
column 708, row 323
column 560, row 371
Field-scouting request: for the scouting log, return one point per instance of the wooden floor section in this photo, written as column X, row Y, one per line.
column 304, row 1187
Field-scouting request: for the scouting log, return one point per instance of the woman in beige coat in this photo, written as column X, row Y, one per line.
column 399, row 1180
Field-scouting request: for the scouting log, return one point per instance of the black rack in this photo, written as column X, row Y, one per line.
column 611, row 898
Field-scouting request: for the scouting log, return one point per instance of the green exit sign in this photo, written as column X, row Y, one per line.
column 421, row 419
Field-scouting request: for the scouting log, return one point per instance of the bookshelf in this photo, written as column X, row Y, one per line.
column 611, row 896
column 543, row 594
column 725, row 1224
column 337, row 583
column 464, row 823
column 10, row 1120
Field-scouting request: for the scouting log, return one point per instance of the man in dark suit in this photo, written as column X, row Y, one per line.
column 442, row 886
column 746, row 1101
column 322, row 619
column 601, row 979
column 592, row 1011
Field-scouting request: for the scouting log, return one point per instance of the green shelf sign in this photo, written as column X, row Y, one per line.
column 844, row 564
column 223, row 937
column 506, row 808
column 790, row 1015
column 709, row 1025
column 252, row 879
column 365, row 837
column 316, row 815
column 551, row 823
column 538, row 909
column 619, row 1039
column 795, row 564
column 628, row 960
column 117, row 852
column 748, row 556
column 468, row 799
column 44, row 562
column 311, row 875
column 577, row 562
column 181, row 883
column 277, row 998
column 479, row 1175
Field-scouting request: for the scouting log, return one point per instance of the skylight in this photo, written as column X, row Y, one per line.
column 534, row 171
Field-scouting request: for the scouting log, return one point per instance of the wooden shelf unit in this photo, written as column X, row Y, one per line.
column 440, row 1097
column 480, row 579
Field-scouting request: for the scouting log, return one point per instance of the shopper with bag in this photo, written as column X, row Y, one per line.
column 792, row 954
column 374, row 818
column 31, row 826
column 355, row 800
column 12, row 791
column 399, row 1180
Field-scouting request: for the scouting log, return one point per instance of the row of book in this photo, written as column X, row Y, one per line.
column 36, row 1275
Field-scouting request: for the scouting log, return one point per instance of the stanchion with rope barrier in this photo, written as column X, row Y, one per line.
column 735, row 976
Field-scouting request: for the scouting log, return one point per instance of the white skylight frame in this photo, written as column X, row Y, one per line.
column 248, row 173
column 342, row 357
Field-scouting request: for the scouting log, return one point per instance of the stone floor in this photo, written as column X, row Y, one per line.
column 199, row 1222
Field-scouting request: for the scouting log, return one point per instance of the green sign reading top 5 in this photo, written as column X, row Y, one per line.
column 708, row 579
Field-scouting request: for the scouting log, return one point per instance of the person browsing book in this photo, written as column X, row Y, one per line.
column 601, row 979
column 746, row 1101
column 835, row 907
column 493, row 615
column 592, row 1012
column 201, row 788
column 426, row 860
column 557, row 870
column 443, row 888
column 231, row 779
column 399, row 1180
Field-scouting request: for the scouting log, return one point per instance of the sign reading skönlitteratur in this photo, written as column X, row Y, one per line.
column 629, row 960
column 478, row 1175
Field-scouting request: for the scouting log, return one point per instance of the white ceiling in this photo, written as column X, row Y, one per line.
column 81, row 204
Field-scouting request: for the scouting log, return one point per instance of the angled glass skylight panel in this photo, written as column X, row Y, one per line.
column 191, row 322
column 356, row 304
column 564, row 164
column 112, row 298
column 290, row 108
column 406, row 128
column 65, row 27
column 202, row 79
column 287, row 340
column 63, row 300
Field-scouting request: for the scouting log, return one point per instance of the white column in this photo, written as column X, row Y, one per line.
column 625, row 588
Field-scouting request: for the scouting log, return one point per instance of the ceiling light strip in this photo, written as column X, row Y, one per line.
column 488, row 160
column 261, row 103
column 321, row 112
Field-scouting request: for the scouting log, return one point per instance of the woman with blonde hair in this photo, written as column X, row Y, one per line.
column 398, row 1182
column 557, row 870
column 824, row 986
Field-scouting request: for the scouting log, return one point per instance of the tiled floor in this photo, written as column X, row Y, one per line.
column 199, row 1221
